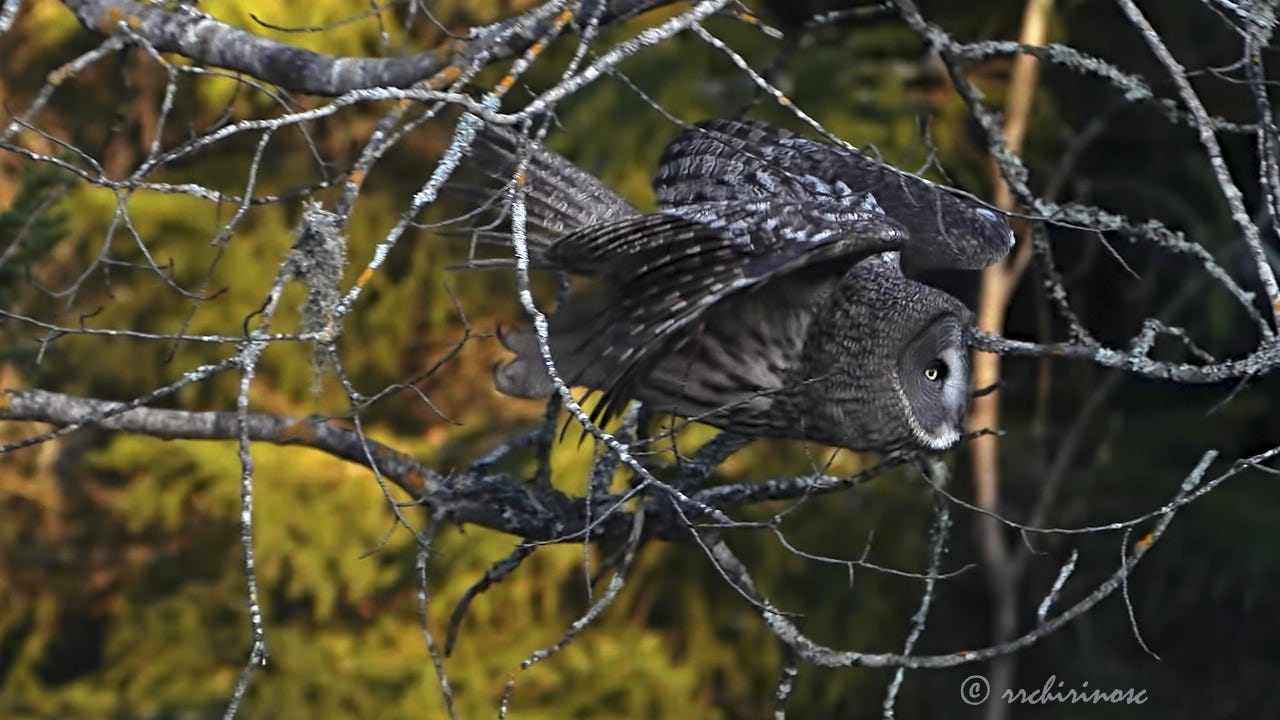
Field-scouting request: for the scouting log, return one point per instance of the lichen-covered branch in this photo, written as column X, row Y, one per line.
column 180, row 28
column 1260, row 362
column 480, row 495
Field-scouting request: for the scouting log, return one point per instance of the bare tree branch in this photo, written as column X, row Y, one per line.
column 793, row 637
column 1213, row 151
column 182, row 29
column 480, row 495
column 1261, row 362
column 8, row 13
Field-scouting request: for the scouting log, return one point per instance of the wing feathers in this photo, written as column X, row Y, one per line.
column 665, row 272
column 707, row 303
column 727, row 159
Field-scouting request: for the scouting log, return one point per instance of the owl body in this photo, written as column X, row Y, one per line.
column 767, row 294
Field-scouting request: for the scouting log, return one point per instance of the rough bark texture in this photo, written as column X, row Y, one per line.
column 178, row 28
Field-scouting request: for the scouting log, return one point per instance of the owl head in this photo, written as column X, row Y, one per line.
column 885, row 365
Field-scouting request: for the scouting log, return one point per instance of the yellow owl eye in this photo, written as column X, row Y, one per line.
column 935, row 370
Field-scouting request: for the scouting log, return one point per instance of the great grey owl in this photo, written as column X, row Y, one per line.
column 767, row 294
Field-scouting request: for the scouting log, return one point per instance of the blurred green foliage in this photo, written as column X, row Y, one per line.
column 121, row 586
column 31, row 226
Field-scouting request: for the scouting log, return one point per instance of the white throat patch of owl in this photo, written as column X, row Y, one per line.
column 937, row 440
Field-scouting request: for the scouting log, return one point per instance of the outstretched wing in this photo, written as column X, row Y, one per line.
column 719, row 160
column 662, row 273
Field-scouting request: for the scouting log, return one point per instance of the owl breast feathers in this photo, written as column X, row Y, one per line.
column 766, row 296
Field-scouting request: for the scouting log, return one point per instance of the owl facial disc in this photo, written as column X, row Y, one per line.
column 933, row 380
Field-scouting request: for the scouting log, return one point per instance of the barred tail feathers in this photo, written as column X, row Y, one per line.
column 559, row 197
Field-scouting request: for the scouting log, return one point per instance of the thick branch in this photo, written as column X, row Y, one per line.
column 179, row 28
column 478, row 495
column 535, row 511
column 60, row 409
column 493, row 501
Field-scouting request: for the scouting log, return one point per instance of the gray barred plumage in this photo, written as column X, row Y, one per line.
column 766, row 296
